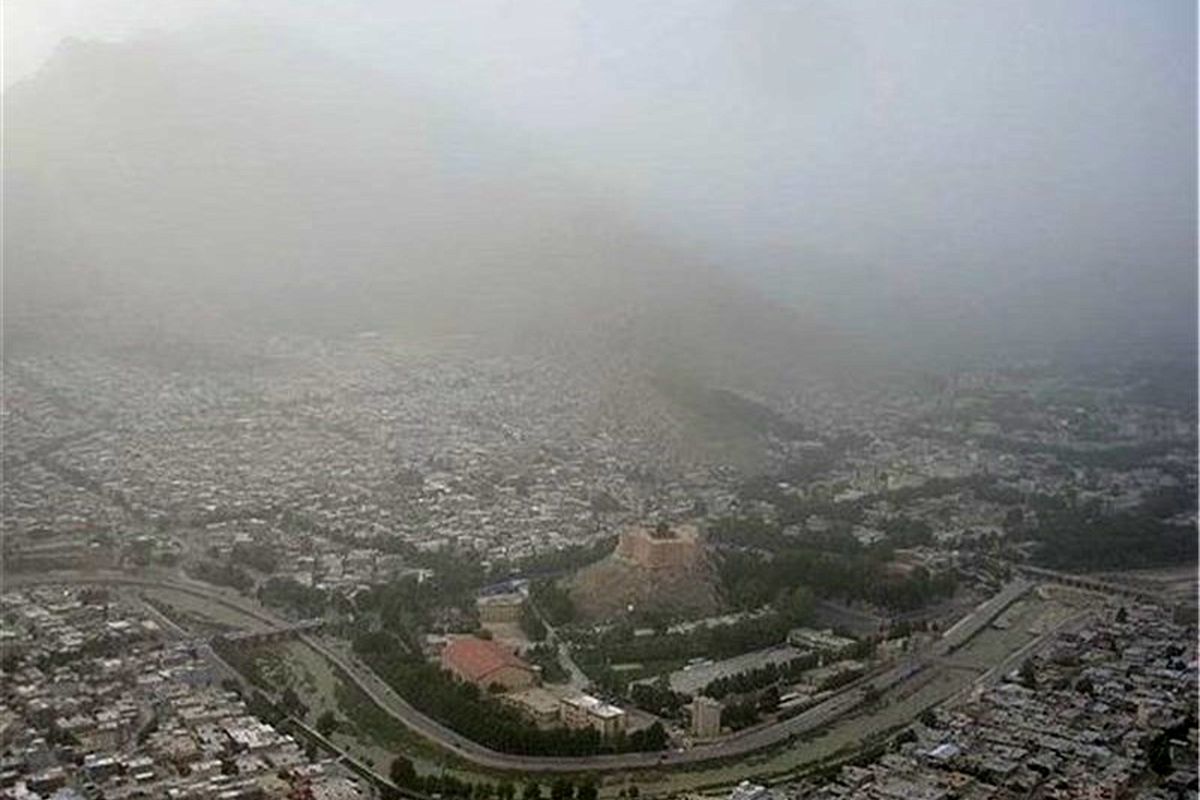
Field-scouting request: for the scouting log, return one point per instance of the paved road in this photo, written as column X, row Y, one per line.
column 1093, row 584
column 578, row 679
column 1011, row 662
column 960, row 632
column 739, row 744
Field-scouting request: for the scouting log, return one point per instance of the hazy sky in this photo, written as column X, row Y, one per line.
column 1022, row 160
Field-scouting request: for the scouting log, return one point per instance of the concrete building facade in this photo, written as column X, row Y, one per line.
column 500, row 608
column 585, row 711
column 706, row 717
column 537, row 704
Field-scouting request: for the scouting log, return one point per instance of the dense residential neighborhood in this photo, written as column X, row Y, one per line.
column 99, row 702
column 519, row 567
column 1106, row 711
column 338, row 461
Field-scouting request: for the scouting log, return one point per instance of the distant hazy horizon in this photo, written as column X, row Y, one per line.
column 934, row 176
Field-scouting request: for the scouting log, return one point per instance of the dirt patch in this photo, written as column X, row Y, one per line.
column 610, row 588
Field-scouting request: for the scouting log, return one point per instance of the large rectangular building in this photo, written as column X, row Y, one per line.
column 706, row 717
column 536, row 703
column 585, row 711
column 486, row 663
column 500, row 608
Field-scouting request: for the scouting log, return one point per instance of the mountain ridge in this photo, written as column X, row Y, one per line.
column 145, row 182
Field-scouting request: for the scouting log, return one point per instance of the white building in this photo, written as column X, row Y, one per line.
column 585, row 711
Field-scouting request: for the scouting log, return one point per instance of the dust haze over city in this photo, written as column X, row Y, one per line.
column 693, row 399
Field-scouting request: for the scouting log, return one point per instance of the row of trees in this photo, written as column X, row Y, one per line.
column 531, row 623
column 403, row 774
column 553, row 601
column 619, row 645
column 658, row 697
column 840, row 679
column 741, row 714
column 757, row 692
column 761, row 677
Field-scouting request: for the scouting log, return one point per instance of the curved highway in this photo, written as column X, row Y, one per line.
column 738, row 744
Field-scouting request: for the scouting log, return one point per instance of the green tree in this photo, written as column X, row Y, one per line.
column 652, row 738
column 1158, row 754
column 292, row 704
column 562, row 789
column 264, row 709
column 326, row 723
column 402, row 772
column 797, row 606
column 532, row 624
column 1028, row 674
column 768, row 701
column 532, row 791
column 554, row 601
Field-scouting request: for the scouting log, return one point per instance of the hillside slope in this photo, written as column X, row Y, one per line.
column 266, row 186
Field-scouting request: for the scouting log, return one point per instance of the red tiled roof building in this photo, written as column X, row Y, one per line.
column 485, row 663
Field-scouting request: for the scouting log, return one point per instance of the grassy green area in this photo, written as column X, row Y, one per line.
column 648, row 669
column 197, row 607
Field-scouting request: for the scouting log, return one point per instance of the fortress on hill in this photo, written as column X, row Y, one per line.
column 660, row 548
column 653, row 569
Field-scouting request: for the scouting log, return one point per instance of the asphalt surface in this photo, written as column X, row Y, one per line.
column 739, row 744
